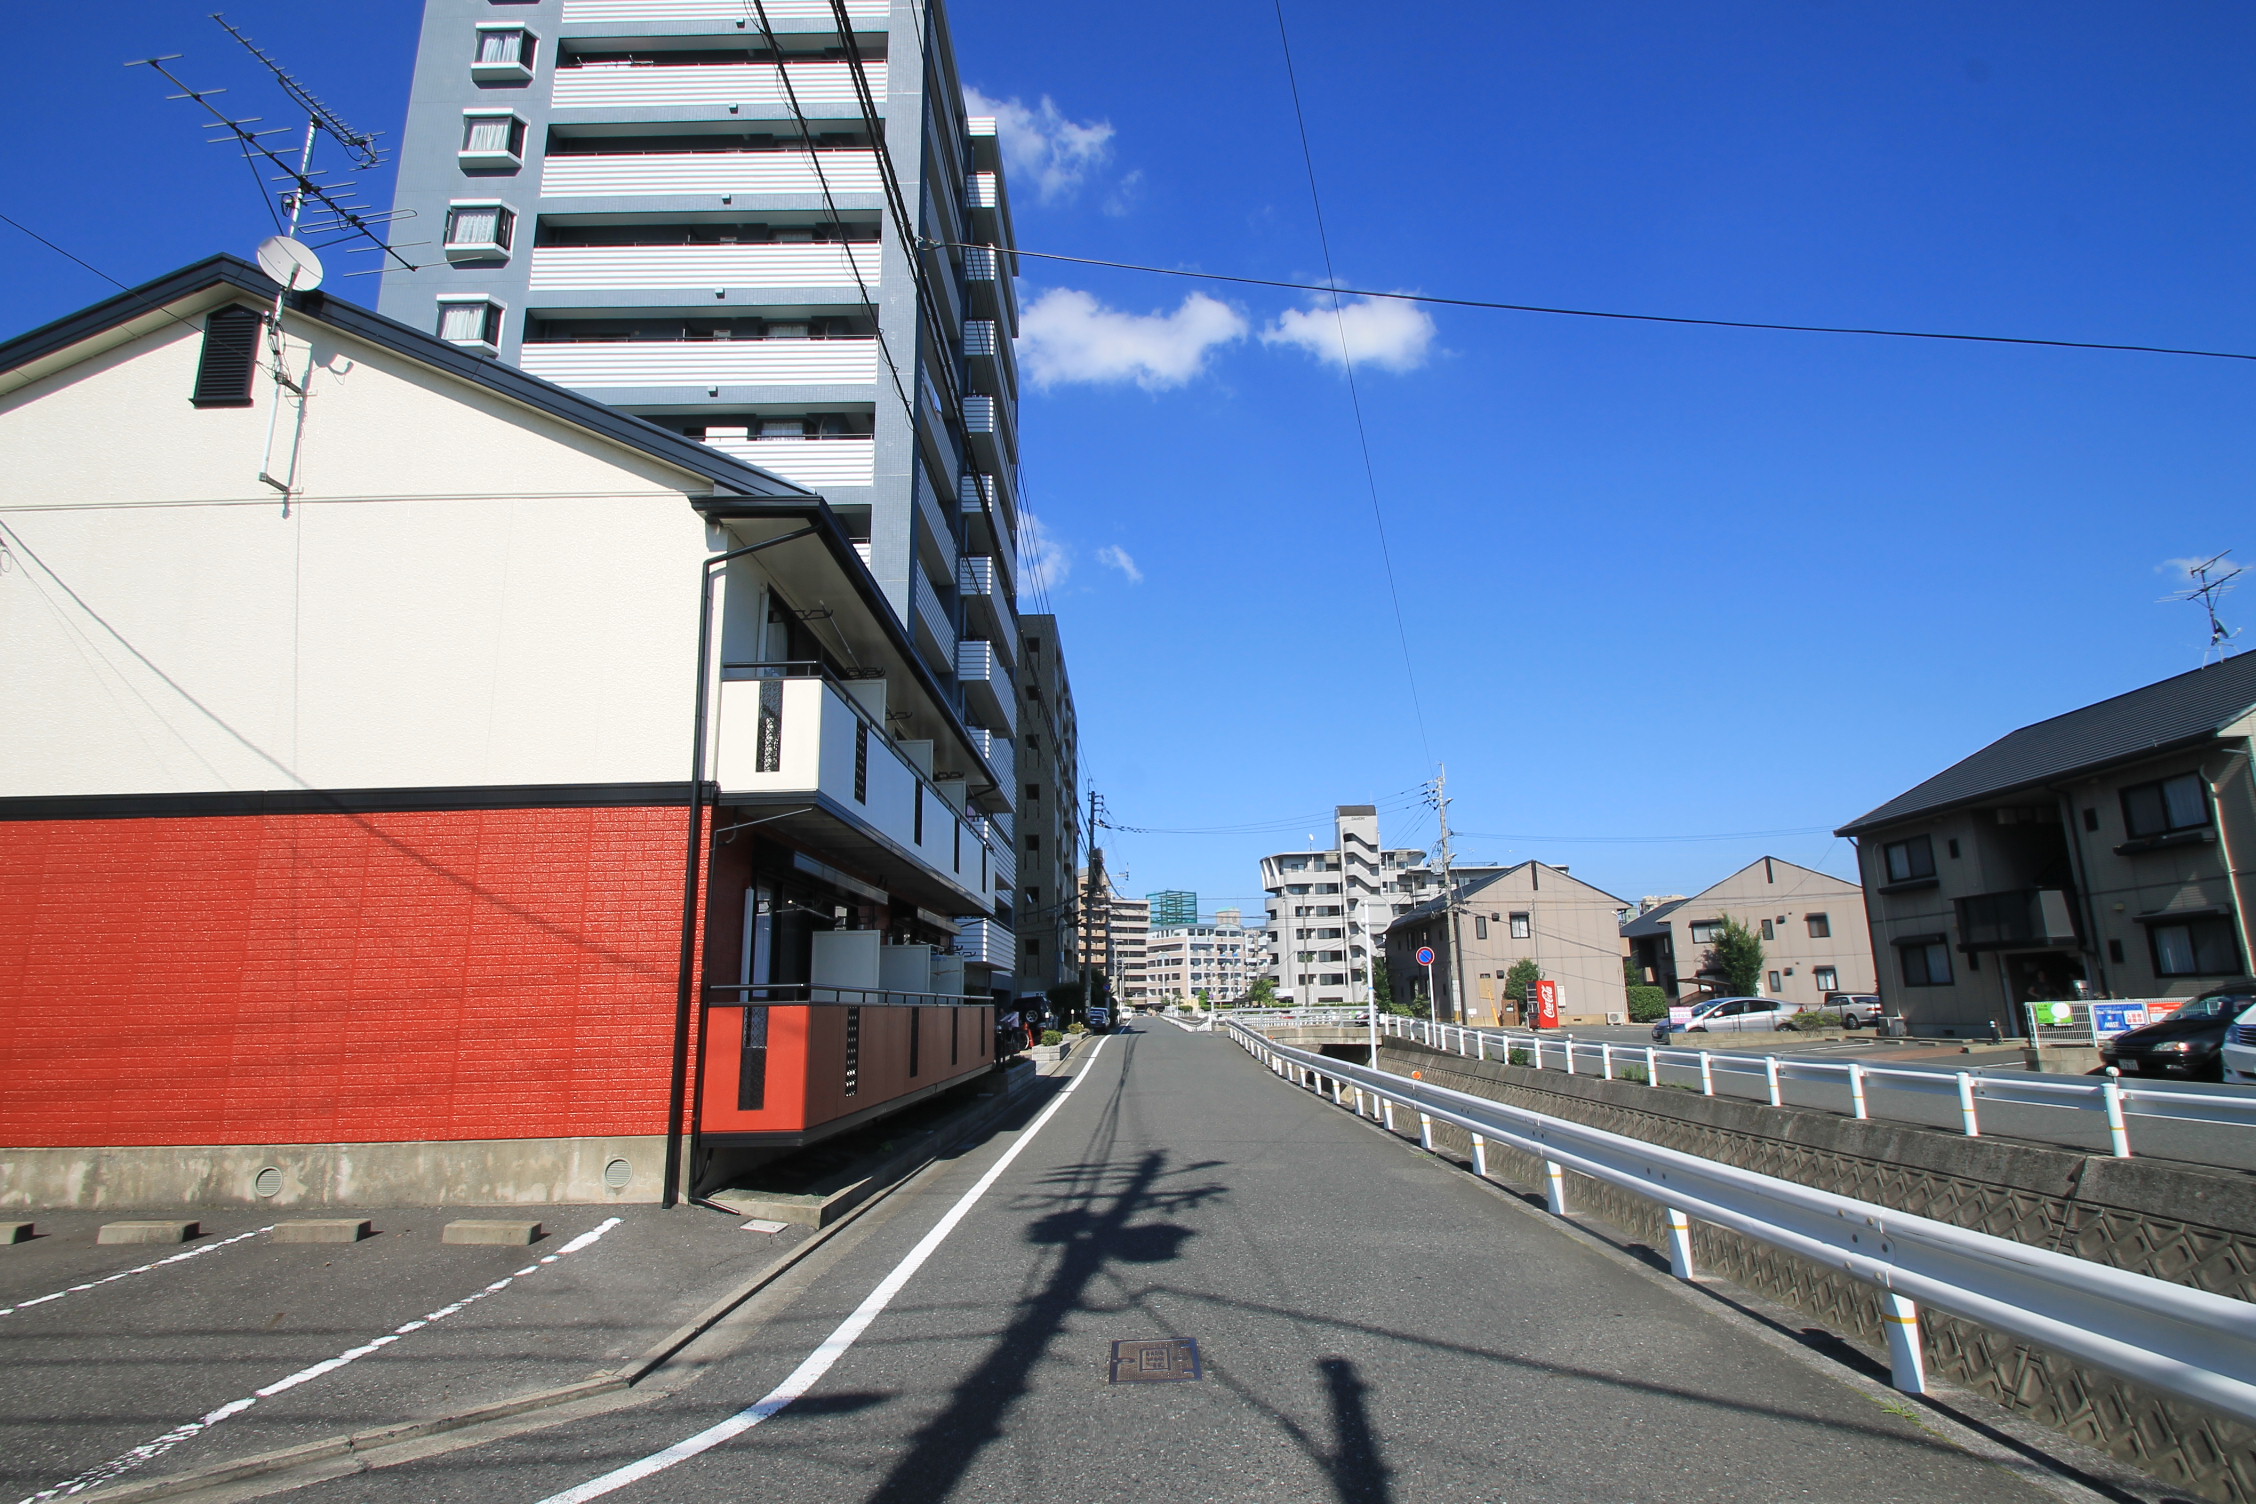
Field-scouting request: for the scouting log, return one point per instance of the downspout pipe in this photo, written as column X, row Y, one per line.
column 685, row 987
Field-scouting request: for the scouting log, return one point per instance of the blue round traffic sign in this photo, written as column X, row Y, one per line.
column 1425, row 955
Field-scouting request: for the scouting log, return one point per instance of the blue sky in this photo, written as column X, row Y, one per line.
column 1657, row 582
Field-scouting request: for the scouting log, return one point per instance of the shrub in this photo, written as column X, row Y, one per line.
column 1076, row 1028
column 1521, row 1056
column 1647, row 1004
column 1811, row 1022
column 1052, row 1036
column 1634, row 1073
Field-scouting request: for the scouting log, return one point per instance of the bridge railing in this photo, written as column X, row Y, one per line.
column 2185, row 1342
column 2107, row 1100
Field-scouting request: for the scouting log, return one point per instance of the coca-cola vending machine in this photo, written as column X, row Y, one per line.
column 1547, row 1005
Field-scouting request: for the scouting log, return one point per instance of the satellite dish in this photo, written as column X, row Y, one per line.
column 290, row 262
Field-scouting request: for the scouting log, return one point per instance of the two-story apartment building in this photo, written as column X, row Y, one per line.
column 1810, row 923
column 1530, row 912
column 2104, row 852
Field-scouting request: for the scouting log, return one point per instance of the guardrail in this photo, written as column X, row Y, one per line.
column 2115, row 1100
column 2185, row 1342
column 789, row 994
column 1306, row 1017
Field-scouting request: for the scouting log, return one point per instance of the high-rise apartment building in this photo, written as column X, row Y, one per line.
column 1217, row 961
column 1049, row 824
column 1329, row 909
column 1172, row 907
column 744, row 222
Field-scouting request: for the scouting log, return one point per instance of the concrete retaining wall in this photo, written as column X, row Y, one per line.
column 2187, row 1225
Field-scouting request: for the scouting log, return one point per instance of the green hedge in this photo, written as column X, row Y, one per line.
column 1647, row 1005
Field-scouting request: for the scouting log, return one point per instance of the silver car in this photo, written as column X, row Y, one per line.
column 1736, row 1014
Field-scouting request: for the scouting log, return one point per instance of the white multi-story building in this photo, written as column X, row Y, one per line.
column 1329, row 909
column 763, row 232
column 1218, row 961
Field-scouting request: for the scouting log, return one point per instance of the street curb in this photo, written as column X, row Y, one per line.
column 603, row 1381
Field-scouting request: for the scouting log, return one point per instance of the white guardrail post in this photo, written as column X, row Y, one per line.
column 1425, row 1132
column 1480, row 1156
column 1770, row 1075
column 1569, row 1048
column 2194, row 1345
column 1652, row 1068
column 1968, row 1123
column 2118, row 1133
column 1856, row 1090
column 1605, row 1061
column 1707, row 1074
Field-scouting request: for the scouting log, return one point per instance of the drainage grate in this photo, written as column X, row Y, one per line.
column 1156, row 1362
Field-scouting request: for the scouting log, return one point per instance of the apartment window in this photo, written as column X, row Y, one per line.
column 2154, row 809
column 2115, row 951
column 230, row 355
column 1033, row 842
column 504, row 54
column 470, row 321
column 916, row 1041
column 1926, row 963
column 2091, row 819
column 1033, row 792
column 1706, row 931
column 1769, row 932
column 1827, row 979
column 1820, row 927
column 1480, row 926
column 1777, row 984
column 491, row 138
column 1909, row 860
column 1523, row 926
column 752, row 1062
column 477, row 231
column 2195, row 948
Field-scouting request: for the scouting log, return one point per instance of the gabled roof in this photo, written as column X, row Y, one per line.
column 2182, row 711
column 1653, row 921
column 1488, row 876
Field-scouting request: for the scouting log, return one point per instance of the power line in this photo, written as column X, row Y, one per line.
column 1728, row 835
column 1354, row 397
column 97, row 271
column 1604, row 313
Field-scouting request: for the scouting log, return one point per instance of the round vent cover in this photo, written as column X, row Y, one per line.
column 268, row 1182
column 617, row 1173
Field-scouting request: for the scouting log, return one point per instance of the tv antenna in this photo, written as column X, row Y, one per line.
column 2209, row 584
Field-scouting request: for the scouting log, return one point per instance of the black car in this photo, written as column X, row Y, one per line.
column 2187, row 1043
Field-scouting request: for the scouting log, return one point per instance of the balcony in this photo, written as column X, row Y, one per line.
column 988, row 693
column 817, row 464
column 989, row 204
column 704, row 362
column 651, row 174
column 987, row 607
column 614, row 12
column 983, row 942
column 1004, row 855
column 612, row 86
column 1001, row 754
column 989, row 285
column 990, row 358
column 937, row 539
column 988, row 425
column 704, row 268
column 790, row 740
column 935, row 634
column 2022, row 917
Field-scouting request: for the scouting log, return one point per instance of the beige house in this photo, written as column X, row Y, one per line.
column 1811, row 926
column 1532, row 912
column 2106, row 852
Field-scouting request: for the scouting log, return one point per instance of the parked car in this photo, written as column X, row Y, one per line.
column 2191, row 1042
column 1856, row 1008
column 1720, row 1015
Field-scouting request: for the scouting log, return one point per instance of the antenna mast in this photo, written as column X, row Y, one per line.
column 2206, row 590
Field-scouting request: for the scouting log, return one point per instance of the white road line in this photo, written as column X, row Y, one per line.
column 818, row 1362
column 92, row 1284
column 149, row 1451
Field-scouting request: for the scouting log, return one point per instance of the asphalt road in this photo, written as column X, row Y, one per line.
column 1374, row 1325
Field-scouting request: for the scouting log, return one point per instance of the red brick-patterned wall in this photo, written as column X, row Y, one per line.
column 338, row 978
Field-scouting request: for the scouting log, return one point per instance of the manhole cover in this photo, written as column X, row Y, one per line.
column 1156, row 1362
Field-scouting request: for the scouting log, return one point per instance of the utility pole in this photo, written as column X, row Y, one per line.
column 1092, row 885
column 1449, row 902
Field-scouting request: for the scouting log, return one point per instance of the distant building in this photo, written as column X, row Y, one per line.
column 1328, row 909
column 1124, row 962
column 2106, row 851
column 1172, row 907
column 1048, row 819
column 1806, row 920
column 1531, row 912
column 1218, row 960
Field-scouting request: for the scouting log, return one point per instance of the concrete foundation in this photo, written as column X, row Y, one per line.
column 148, row 1232
column 324, row 1230
column 475, row 1172
column 489, row 1232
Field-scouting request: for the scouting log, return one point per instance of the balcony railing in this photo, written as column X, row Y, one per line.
column 983, row 942
column 705, row 362
column 986, row 683
column 786, row 729
column 735, row 994
column 813, row 463
column 2023, row 916
column 622, row 85
column 631, row 174
column 936, row 634
column 612, row 12
column 578, row 268
column 1001, row 754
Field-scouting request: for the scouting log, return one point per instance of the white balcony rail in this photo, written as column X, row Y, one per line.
column 632, row 174
column 932, row 612
column 813, row 463
column 2185, row 1342
column 704, row 268
column 621, row 85
column 705, row 362
column 612, row 12
column 1000, row 752
column 1887, row 1093
column 986, row 943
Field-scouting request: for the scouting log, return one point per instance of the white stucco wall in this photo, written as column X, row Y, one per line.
column 466, row 592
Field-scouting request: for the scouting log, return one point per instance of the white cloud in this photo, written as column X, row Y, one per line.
column 1377, row 331
column 1116, row 556
column 1067, row 335
column 1043, row 560
column 1041, row 146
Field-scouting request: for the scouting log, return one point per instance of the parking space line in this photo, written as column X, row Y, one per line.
column 94, row 1284
column 819, row 1362
column 149, row 1451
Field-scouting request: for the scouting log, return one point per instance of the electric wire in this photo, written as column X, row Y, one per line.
column 97, row 271
column 1640, row 318
column 1354, row 396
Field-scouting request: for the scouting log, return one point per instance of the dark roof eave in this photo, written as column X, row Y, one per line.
column 1866, row 822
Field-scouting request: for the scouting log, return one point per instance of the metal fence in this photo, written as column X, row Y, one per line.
column 2185, row 1342
column 1860, row 1090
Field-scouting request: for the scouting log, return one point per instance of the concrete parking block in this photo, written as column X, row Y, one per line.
column 324, row 1230
column 148, row 1232
column 15, row 1232
column 473, row 1230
